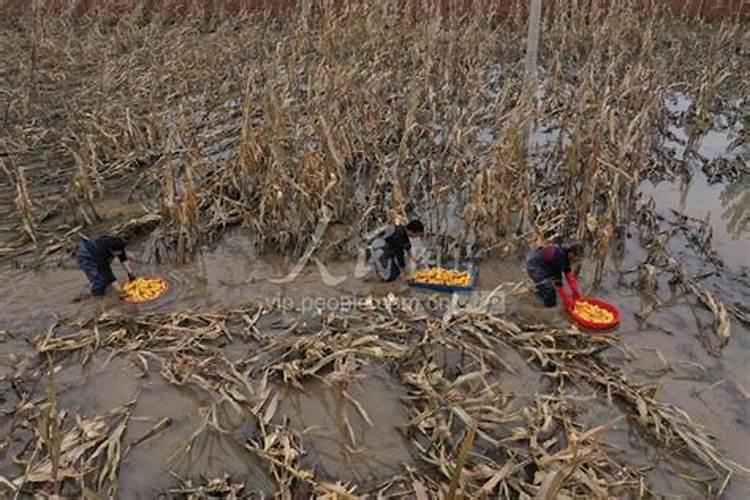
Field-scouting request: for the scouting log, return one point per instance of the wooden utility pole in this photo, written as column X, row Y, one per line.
column 532, row 54
column 532, row 39
column 528, row 94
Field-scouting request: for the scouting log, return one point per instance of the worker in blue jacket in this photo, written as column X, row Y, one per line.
column 547, row 266
column 95, row 258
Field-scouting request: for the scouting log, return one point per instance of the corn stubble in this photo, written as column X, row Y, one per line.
column 366, row 110
column 470, row 437
column 357, row 115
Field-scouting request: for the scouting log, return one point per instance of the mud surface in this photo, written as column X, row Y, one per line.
column 662, row 329
column 714, row 391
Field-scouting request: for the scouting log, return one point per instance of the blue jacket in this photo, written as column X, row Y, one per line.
column 101, row 250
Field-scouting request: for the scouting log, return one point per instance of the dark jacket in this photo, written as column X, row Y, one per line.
column 553, row 261
column 101, row 250
column 398, row 244
column 95, row 258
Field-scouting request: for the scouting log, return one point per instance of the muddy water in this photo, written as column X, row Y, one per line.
column 714, row 391
column 370, row 451
column 227, row 276
column 148, row 468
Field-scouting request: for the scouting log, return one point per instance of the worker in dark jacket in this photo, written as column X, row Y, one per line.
column 547, row 266
column 391, row 249
column 95, row 259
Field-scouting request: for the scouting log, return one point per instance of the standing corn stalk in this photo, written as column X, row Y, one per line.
column 82, row 190
column 23, row 204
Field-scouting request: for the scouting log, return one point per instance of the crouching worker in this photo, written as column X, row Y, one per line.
column 547, row 266
column 95, row 260
column 391, row 249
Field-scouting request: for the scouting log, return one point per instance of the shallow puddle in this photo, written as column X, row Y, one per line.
column 358, row 451
column 666, row 351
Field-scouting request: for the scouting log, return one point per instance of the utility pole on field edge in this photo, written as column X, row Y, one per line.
column 532, row 54
column 529, row 90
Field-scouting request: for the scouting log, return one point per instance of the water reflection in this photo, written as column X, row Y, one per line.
column 735, row 199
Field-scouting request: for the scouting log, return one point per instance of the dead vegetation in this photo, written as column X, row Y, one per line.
column 365, row 114
column 471, row 438
column 359, row 116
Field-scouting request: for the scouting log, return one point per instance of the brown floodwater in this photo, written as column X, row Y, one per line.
column 714, row 391
column 369, row 453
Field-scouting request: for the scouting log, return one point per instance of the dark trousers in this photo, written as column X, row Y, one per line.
column 99, row 274
column 384, row 263
column 543, row 284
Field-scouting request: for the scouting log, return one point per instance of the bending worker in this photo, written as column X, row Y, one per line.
column 547, row 266
column 95, row 259
column 390, row 249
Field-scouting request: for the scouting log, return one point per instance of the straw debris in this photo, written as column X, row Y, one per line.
column 472, row 437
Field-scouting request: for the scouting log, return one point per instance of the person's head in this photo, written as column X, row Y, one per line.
column 575, row 252
column 415, row 228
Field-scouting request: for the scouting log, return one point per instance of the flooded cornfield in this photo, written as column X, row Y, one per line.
column 249, row 157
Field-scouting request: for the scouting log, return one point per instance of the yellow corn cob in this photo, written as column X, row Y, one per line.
column 593, row 313
column 440, row 276
column 144, row 289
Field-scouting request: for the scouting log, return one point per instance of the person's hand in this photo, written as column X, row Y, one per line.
column 568, row 302
column 573, row 282
column 131, row 276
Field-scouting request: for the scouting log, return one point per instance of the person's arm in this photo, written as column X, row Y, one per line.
column 567, row 300
column 411, row 263
column 410, row 251
column 123, row 258
column 570, row 277
column 131, row 274
column 401, row 258
column 412, row 254
column 573, row 282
